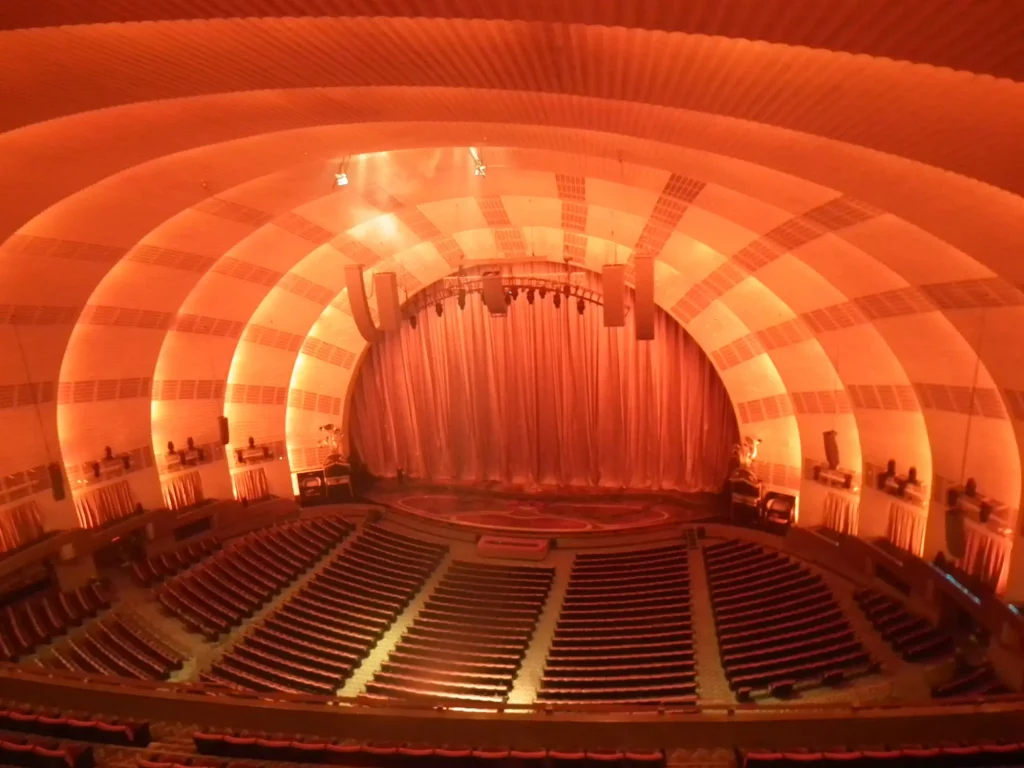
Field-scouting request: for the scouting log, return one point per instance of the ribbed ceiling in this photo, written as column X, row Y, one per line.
column 832, row 190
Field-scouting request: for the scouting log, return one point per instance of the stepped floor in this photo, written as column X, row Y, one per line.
column 714, row 687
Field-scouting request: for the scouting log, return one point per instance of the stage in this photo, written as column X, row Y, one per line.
column 558, row 512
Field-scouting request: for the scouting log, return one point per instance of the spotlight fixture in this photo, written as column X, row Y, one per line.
column 508, row 299
column 515, row 292
column 580, row 305
column 529, row 295
column 479, row 169
column 439, row 308
column 542, row 292
column 566, row 289
column 413, row 322
column 462, row 298
column 557, row 299
column 341, row 175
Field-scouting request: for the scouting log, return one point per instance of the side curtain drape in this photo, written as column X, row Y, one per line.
column 906, row 528
column 105, row 504
column 183, row 491
column 20, row 525
column 986, row 556
column 542, row 396
column 251, row 484
column 840, row 514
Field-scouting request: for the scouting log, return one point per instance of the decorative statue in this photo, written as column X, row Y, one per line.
column 746, row 451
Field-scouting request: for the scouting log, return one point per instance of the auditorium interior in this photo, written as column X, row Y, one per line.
column 422, row 383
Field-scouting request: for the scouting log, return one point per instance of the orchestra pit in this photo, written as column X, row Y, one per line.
column 533, row 383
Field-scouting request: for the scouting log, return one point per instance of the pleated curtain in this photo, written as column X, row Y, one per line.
column 20, row 525
column 183, row 490
column 906, row 527
column 986, row 556
column 251, row 484
column 840, row 514
column 105, row 504
column 542, row 396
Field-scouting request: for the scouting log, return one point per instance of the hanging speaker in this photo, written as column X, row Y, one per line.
column 56, row 481
column 613, row 285
column 389, row 306
column 357, row 302
column 225, row 433
column 643, row 301
column 494, row 294
column 831, row 449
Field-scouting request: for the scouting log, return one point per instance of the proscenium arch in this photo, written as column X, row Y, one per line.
column 858, row 462
column 644, row 68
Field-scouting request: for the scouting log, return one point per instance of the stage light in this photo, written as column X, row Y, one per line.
column 557, row 299
column 566, row 289
column 341, row 179
column 515, row 292
column 529, row 295
column 439, row 308
column 462, row 298
column 542, row 292
column 508, row 299
column 413, row 322
column 580, row 305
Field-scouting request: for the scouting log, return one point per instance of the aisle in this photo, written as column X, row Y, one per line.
column 714, row 687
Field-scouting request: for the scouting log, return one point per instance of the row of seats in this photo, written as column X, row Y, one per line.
column 233, row 584
column 316, row 639
column 778, row 624
column 971, row 681
column 947, row 756
column 624, row 633
column 412, row 755
column 44, row 753
column 470, row 636
column 62, row 727
column 155, row 569
column 912, row 636
column 116, row 647
column 35, row 621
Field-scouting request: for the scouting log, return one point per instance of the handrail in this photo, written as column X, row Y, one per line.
column 428, row 705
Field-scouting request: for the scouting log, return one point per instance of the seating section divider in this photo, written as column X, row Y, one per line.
column 229, row 587
column 315, row 640
column 64, row 727
column 155, row 569
column 912, row 636
column 116, row 647
column 972, row 681
column 624, row 634
column 948, row 755
column 400, row 755
column 470, row 637
column 778, row 623
column 37, row 620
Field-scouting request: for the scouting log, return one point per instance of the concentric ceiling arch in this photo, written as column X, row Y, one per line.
column 836, row 220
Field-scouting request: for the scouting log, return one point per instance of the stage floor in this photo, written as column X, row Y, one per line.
column 554, row 513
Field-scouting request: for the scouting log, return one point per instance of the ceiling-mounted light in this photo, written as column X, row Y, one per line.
column 529, row 295
column 542, row 292
column 557, row 299
column 462, row 298
column 514, row 290
column 439, row 308
column 580, row 305
column 479, row 169
column 413, row 322
column 341, row 174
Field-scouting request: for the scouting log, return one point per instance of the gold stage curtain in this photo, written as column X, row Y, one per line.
column 543, row 396
column 183, row 491
column 251, row 484
column 20, row 525
column 102, row 505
